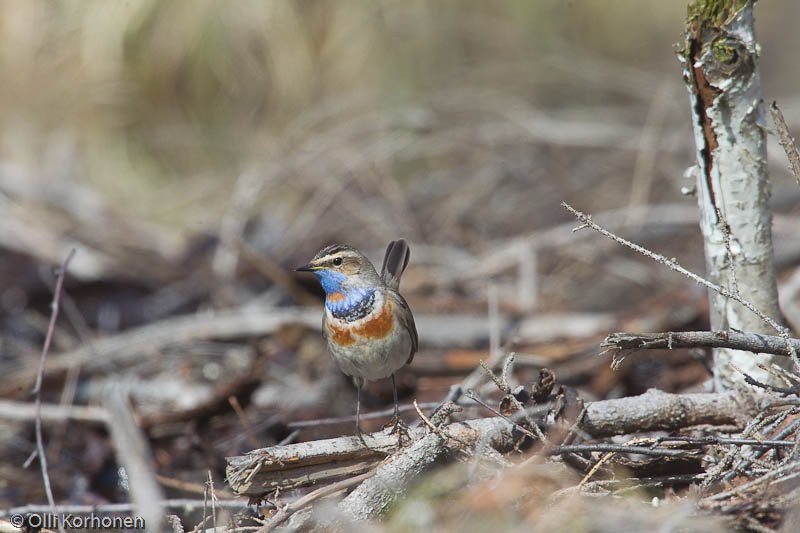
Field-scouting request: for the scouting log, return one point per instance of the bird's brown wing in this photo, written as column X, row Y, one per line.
column 407, row 321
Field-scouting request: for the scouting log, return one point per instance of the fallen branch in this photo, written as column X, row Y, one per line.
column 736, row 340
column 375, row 495
column 295, row 465
column 134, row 454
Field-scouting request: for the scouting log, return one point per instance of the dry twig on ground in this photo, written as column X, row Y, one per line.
column 737, row 340
column 37, row 390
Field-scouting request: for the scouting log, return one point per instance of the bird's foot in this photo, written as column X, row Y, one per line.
column 360, row 436
column 400, row 429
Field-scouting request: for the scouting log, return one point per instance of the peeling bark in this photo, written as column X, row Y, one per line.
column 721, row 72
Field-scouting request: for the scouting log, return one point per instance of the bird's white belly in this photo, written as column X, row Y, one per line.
column 375, row 359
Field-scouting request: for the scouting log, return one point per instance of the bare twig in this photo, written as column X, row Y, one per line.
column 504, row 386
column 673, row 265
column 37, row 389
column 786, row 140
column 725, row 440
column 670, row 340
column 594, row 469
column 616, row 448
column 438, row 431
column 213, row 501
column 769, row 476
column 750, row 380
column 473, row 396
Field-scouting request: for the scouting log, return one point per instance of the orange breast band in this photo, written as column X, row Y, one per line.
column 376, row 328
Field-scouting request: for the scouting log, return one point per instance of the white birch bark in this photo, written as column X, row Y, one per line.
column 721, row 71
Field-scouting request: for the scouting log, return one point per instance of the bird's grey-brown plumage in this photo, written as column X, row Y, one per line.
column 365, row 341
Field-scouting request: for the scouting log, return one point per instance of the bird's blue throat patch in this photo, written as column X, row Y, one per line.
column 330, row 280
column 345, row 304
column 351, row 305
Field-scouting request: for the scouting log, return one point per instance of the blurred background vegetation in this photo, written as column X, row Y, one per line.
column 159, row 107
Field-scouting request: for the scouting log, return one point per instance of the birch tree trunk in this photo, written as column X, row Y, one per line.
column 720, row 59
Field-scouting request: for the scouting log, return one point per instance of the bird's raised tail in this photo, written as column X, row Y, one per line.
column 395, row 262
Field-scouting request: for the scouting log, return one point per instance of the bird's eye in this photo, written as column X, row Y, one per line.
column 337, row 262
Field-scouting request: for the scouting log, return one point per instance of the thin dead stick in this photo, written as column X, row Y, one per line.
column 502, row 384
column 786, row 140
column 724, row 440
column 445, row 437
column 673, row 265
column 504, row 388
column 755, row 483
column 473, row 396
column 750, row 380
column 37, row 390
column 618, row 448
column 213, row 501
column 594, row 469
column 781, row 377
column 287, row 511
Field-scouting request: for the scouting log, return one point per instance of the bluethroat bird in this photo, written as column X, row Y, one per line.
column 368, row 325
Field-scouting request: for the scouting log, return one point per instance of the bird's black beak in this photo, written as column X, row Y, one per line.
column 306, row 268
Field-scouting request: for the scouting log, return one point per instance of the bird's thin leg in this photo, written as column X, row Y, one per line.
column 396, row 412
column 399, row 427
column 359, row 384
column 358, row 408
